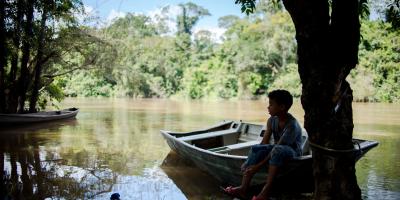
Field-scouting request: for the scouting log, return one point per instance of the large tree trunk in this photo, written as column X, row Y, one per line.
column 39, row 63
column 26, row 50
column 12, row 95
column 3, row 55
column 327, row 51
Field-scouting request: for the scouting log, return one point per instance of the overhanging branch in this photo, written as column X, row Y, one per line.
column 84, row 66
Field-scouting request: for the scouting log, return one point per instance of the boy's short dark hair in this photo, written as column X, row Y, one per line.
column 282, row 97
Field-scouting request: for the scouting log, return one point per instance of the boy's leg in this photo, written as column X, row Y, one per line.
column 246, row 180
column 278, row 156
column 241, row 190
column 272, row 172
column 257, row 154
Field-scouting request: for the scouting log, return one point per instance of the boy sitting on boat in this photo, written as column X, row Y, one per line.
column 286, row 133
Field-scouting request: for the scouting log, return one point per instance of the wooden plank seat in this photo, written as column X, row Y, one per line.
column 234, row 146
column 208, row 135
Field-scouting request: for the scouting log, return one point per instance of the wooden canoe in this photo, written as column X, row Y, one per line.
column 27, row 118
column 221, row 149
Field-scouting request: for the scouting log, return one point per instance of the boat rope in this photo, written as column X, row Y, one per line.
column 339, row 102
column 317, row 146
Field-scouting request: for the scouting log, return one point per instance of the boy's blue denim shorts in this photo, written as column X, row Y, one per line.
column 279, row 154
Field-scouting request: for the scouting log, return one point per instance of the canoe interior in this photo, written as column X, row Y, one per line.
column 236, row 138
column 233, row 138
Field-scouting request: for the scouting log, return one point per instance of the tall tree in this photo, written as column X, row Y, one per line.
column 327, row 36
column 34, row 40
column 190, row 15
column 327, row 51
column 12, row 94
column 227, row 21
column 3, row 54
column 39, row 56
column 389, row 10
column 26, row 51
column 44, row 37
column 392, row 14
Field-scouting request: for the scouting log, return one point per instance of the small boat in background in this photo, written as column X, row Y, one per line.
column 221, row 149
column 45, row 116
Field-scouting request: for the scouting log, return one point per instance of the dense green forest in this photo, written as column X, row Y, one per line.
column 48, row 54
column 256, row 54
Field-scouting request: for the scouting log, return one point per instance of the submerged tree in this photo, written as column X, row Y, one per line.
column 328, row 35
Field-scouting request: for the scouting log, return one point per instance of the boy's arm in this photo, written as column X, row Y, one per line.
column 265, row 140
column 253, row 169
column 263, row 162
column 289, row 135
column 268, row 133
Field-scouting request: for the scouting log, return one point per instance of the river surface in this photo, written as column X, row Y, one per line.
column 114, row 146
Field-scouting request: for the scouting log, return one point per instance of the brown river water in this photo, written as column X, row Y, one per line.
column 114, row 146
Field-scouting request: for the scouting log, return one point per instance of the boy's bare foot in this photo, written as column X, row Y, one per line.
column 235, row 192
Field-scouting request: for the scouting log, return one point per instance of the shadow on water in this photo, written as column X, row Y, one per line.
column 34, row 127
column 30, row 172
column 196, row 184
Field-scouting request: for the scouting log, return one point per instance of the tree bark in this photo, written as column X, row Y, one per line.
column 16, row 40
column 26, row 49
column 12, row 95
column 3, row 54
column 39, row 63
column 327, row 51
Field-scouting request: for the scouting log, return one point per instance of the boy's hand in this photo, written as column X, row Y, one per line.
column 252, row 170
column 243, row 167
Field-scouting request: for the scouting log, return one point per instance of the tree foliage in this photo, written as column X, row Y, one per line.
column 41, row 40
column 190, row 15
column 135, row 56
column 256, row 54
column 378, row 74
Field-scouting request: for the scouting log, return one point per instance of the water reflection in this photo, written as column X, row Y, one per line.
column 86, row 160
column 34, row 171
column 194, row 183
column 378, row 172
column 115, row 146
